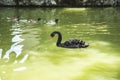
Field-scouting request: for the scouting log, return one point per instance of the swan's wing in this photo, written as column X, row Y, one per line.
column 74, row 43
column 67, row 43
column 71, row 43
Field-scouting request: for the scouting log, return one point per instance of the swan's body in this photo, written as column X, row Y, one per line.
column 73, row 43
column 52, row 22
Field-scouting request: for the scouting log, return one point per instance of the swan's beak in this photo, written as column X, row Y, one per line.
column 51, row 38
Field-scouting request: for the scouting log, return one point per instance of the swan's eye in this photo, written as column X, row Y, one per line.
column 52, row 35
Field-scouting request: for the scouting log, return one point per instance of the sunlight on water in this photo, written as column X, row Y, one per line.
column 73, row 66
column 19, row 69
column 74, row 9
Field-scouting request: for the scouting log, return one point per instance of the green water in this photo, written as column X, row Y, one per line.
column 27, row 53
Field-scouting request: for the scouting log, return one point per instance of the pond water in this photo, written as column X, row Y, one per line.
column 27, row 53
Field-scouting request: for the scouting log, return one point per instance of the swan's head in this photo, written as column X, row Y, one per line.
column 38, row 19
column 56, row 20
column 53, row 33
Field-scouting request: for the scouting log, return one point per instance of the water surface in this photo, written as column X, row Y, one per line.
column 27, row 53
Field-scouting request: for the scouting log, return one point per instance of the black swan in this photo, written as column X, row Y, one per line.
column 74, row 43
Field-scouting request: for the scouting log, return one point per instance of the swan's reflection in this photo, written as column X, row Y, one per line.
column 16, row 48
column 0, row 53
column 12, row 54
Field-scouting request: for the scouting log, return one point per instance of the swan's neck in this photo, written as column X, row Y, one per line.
column 59, row 39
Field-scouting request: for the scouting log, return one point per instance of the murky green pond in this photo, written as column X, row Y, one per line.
column 27, row 53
